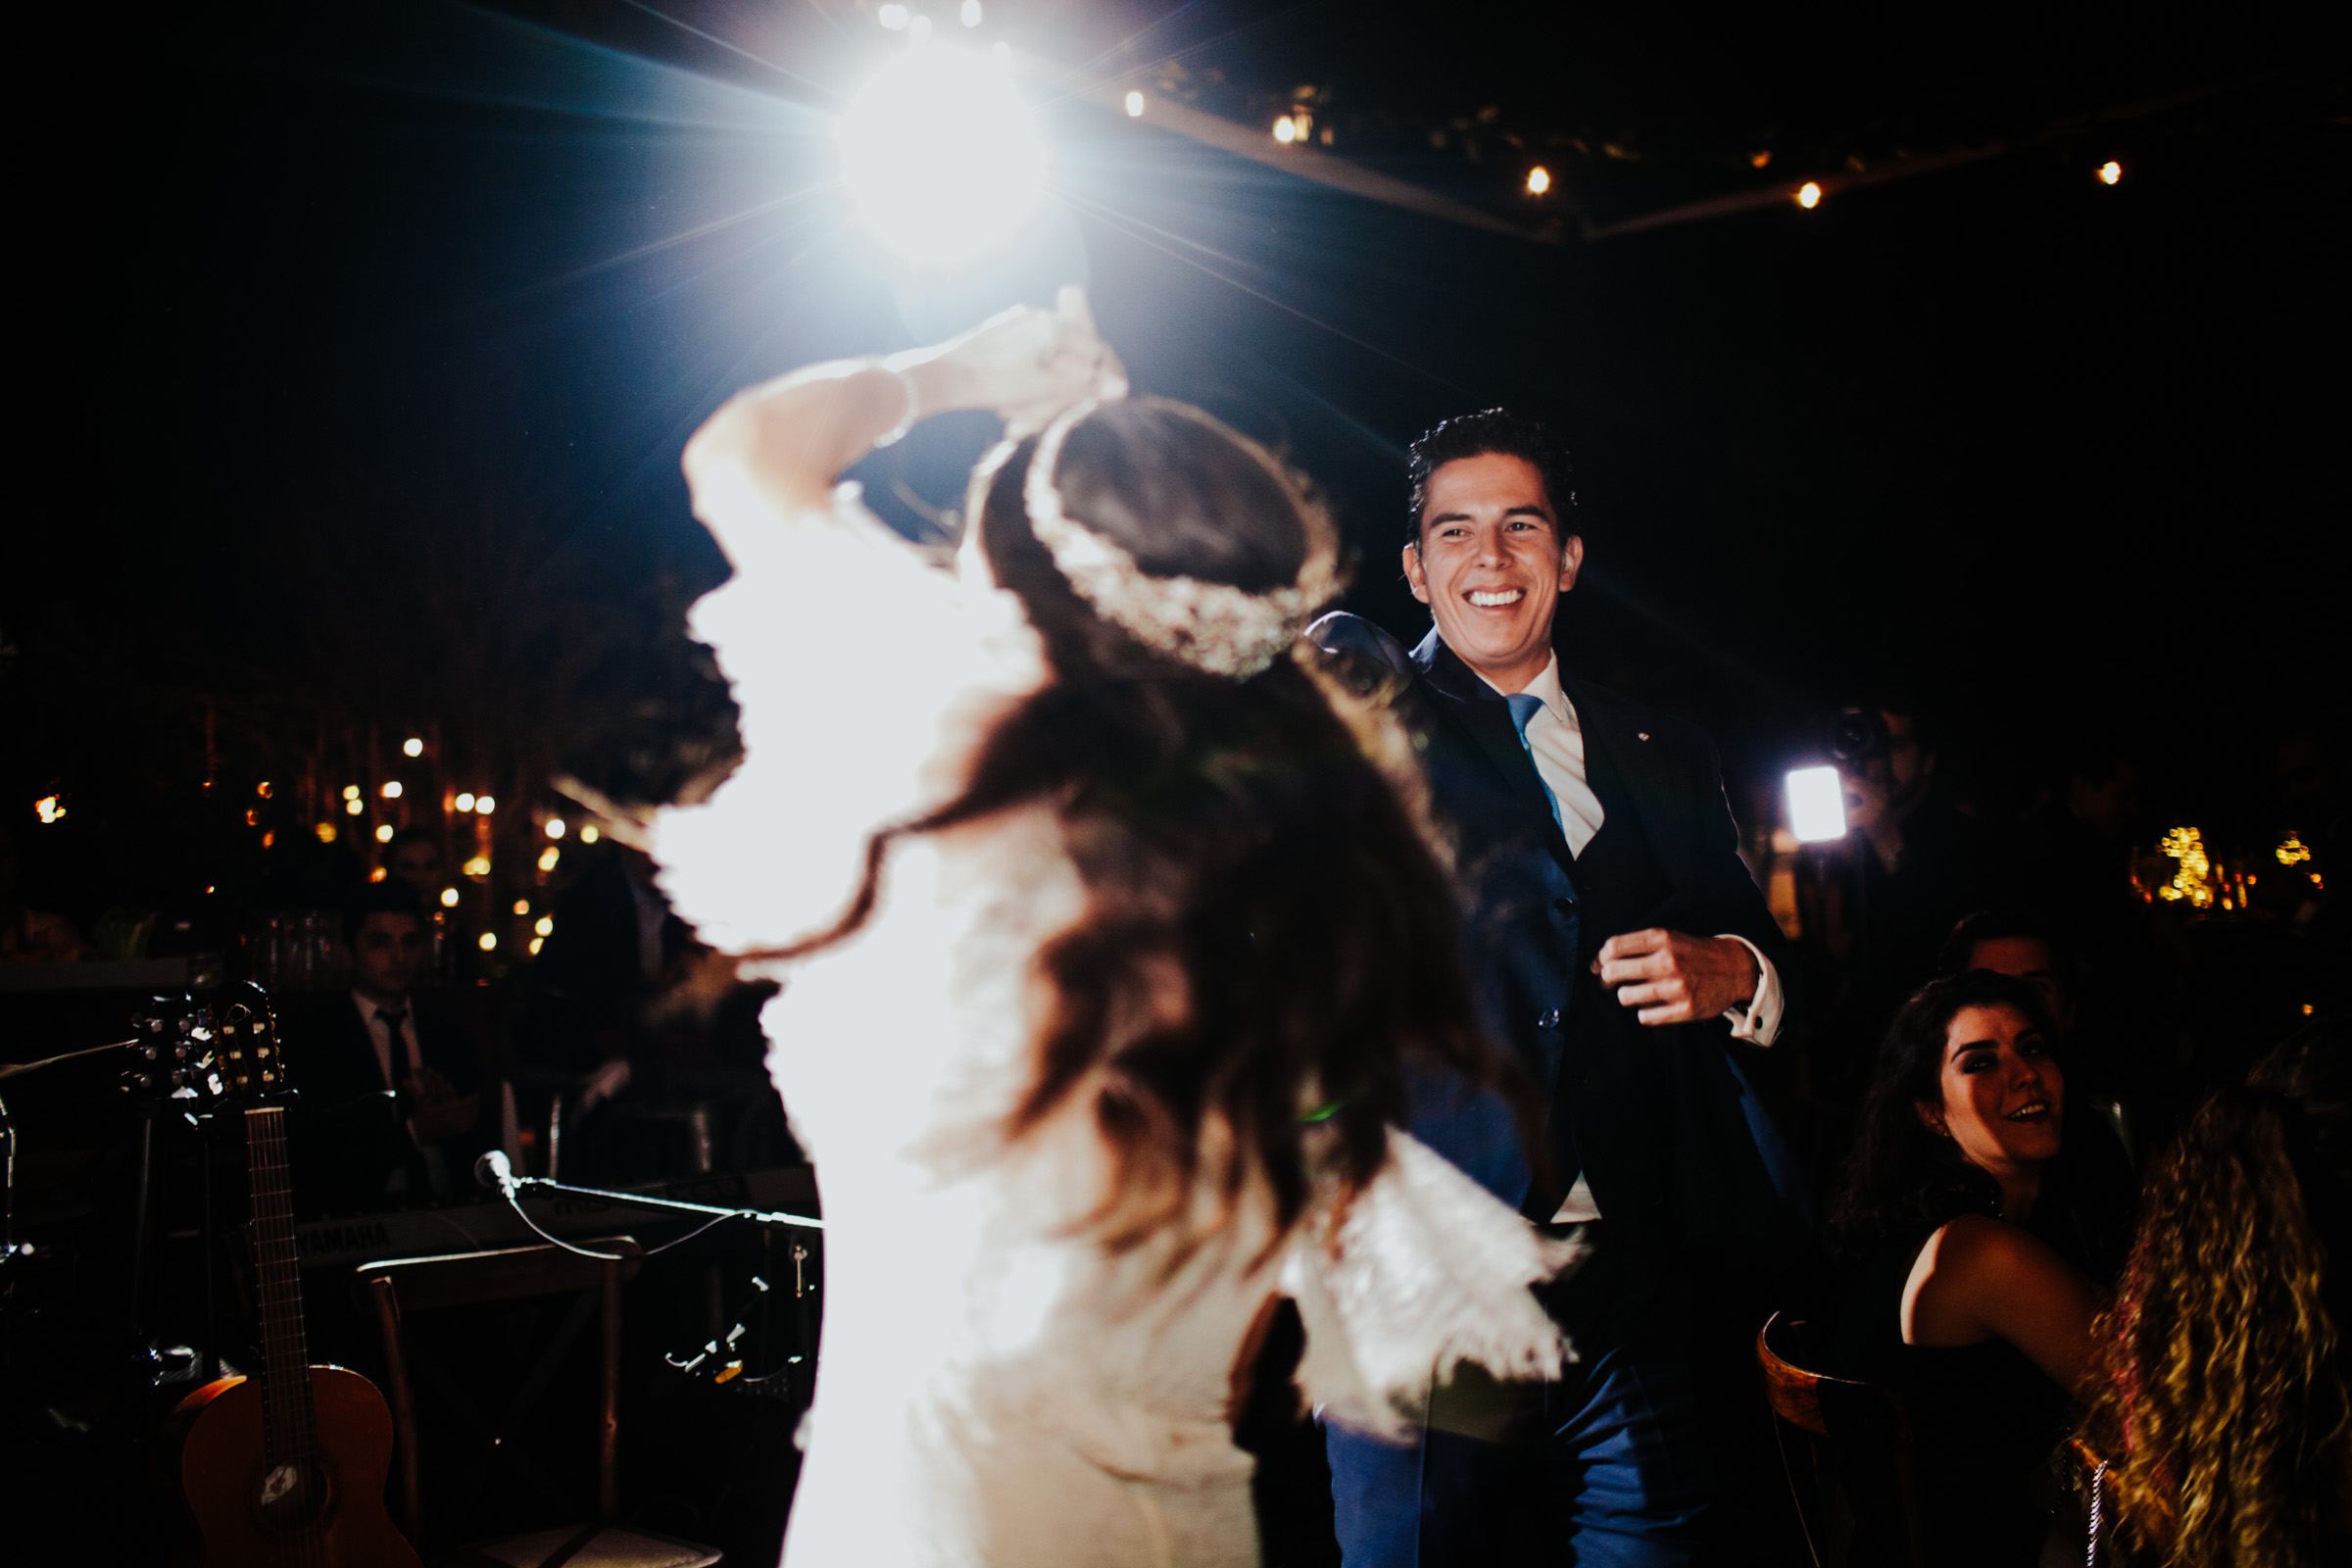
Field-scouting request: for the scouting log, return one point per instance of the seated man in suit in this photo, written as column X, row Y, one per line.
column 391, row 1112
column 1620, row 947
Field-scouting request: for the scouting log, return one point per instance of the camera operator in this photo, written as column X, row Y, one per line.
column 1876, row 905
column 1922, row 857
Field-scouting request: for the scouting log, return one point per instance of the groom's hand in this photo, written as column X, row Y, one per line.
column 1675, row 978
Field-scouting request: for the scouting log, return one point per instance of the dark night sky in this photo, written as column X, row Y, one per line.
column 2060, row 459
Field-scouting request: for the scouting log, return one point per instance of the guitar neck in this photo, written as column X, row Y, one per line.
column 288, row 1420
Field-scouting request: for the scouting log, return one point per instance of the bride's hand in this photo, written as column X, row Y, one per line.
column 1028, row 364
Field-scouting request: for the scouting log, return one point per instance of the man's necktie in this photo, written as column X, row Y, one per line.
column 1525, row 705
column 398, row 1056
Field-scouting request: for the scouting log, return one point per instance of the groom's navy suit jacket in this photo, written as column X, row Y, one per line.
column 1682, row 1158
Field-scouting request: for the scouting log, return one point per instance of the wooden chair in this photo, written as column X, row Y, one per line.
column 402, row 1286
column 1856, row 1448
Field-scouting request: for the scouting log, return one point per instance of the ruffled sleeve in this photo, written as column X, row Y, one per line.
column 865, row 678
column 1425, row 1270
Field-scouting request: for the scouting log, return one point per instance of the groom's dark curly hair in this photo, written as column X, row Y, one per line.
column 1476, row 436
column 1270, row 934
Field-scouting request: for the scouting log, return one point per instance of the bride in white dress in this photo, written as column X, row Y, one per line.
column 1141, row 932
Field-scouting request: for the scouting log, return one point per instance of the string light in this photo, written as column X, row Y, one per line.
column 484, row 804
column 1808, row 195
column 546, row 925
column 1286, row 131
column 268, row 839
column 548, row 857
column 588, row 833
column 488, row 942
column 413, row 746
column 326, row 832
column 2111, row 172
column 1134, row 105
column 351, row 792
column 2194, row 878
column 2292, row 851
column 262, row 789
column 465, row 801
column 479, row 866
column 555, row 827
column 1760, row 160
column 354, row 807
column 49, row 809
column 392, row 790
column 536, row 944
column 1539, row 180
column 383, row 833
column 449, row 897
column 522, row 906
column 378, row 875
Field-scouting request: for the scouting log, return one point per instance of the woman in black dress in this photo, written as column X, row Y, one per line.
column 1948, row 1295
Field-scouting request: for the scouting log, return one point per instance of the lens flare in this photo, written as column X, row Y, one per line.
column 940, row 157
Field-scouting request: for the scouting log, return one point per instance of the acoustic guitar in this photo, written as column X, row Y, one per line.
column 285, row 1470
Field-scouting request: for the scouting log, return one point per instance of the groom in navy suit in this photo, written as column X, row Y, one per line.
column 1625, row 956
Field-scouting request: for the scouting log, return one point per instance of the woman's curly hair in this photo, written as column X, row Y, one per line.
column 2221, row 1403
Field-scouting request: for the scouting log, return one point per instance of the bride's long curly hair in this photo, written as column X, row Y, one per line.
column 1270, row 934
column 2221, row 1403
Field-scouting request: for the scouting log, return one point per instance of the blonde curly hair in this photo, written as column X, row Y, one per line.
column 2222, row 1402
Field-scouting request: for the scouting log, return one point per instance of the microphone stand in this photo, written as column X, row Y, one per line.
column 517, row 1186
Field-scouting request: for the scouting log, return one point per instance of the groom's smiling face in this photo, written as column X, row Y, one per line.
column 1492, row 563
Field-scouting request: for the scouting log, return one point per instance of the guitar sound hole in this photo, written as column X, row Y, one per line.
column 290, row 1496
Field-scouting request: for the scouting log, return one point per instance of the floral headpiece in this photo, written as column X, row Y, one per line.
column 1213, row 627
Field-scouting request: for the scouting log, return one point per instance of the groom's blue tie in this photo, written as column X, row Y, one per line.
column 1525, row 705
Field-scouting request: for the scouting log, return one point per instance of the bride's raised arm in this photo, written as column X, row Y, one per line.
column 775, row 449
column 862, row 675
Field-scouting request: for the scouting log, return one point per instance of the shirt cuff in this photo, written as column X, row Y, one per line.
column 1759, row 1022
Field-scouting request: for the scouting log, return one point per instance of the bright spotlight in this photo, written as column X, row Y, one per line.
column 1286, row 130
column 1134, row 105
column 940, row 158
column 2110, row 173
column 1539, row 180
column 1816, row 805
column 1808, row 195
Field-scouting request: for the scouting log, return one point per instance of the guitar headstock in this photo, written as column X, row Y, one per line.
column 200, row 1055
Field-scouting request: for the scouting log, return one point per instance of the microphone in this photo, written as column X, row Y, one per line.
column 494, row 1171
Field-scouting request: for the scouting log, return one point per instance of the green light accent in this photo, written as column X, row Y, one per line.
column 1322, row 1113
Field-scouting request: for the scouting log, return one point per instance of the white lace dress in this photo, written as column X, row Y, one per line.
column 992, row 1388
